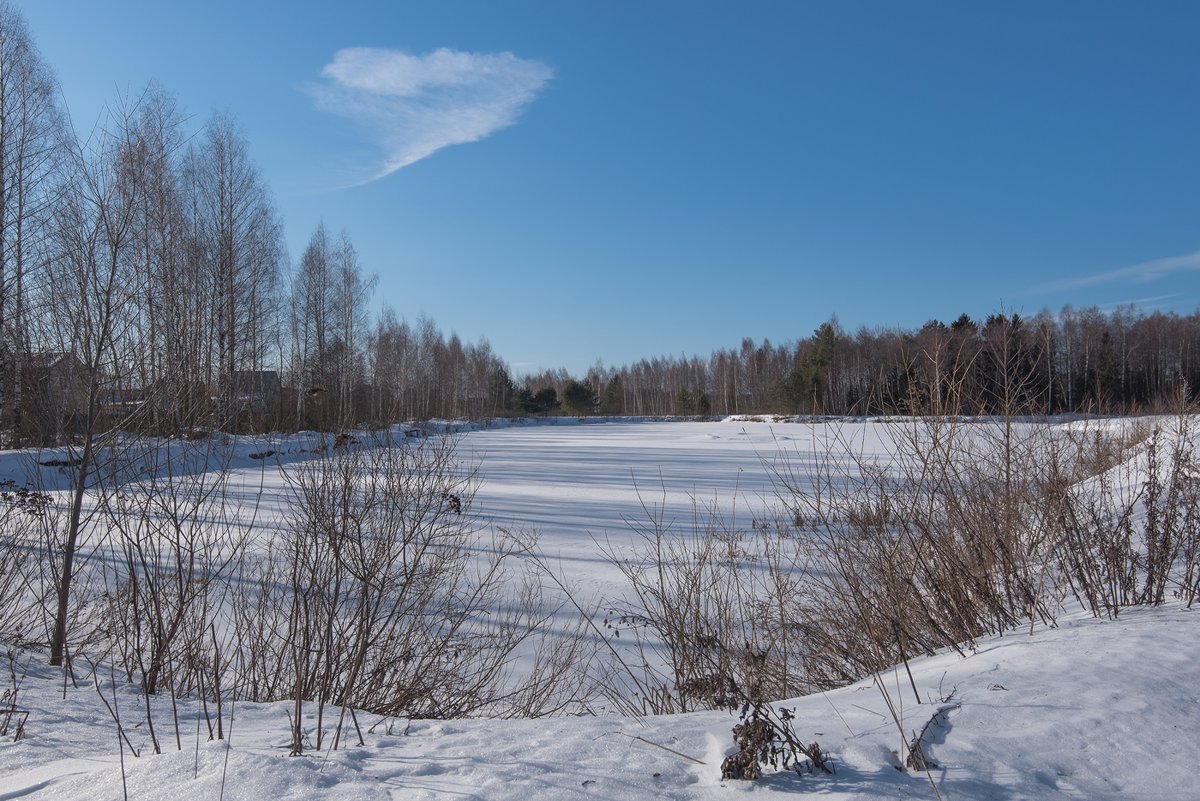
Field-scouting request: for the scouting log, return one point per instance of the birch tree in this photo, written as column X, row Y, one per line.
column 239, row 246
column 31, row 151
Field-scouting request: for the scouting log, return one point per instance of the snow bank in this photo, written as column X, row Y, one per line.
column 1092, row 709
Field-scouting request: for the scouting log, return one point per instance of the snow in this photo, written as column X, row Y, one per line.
column 1091, row 709
column 1101, row 709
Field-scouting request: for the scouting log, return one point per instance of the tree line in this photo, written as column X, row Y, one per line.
column 1079, row 360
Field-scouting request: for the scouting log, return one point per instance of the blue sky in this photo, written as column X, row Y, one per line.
column 578, row 181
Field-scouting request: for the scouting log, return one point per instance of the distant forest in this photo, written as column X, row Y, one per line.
column 1076, row 361
column 145, row 286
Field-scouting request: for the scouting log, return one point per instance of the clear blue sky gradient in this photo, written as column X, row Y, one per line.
column 695, row 173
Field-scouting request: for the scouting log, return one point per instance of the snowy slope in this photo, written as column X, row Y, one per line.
column 1092, row 709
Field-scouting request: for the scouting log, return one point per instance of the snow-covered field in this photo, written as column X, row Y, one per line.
column 580, row 485
column 1089, row 709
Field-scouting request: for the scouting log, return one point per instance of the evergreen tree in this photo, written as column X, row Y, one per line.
column 578, row 397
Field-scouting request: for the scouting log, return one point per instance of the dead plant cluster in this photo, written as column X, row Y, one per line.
column 764, row 736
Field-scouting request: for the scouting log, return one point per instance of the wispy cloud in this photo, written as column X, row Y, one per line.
column 1153, row 302
column 1143, row 273
column 415, row 105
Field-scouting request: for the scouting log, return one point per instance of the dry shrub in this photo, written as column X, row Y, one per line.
column 965, row 528
column 177, row 544
column 385, row 592
column 21, row 511
column 701, row 622
column 930, row 548
column 380, row 590
column 1098, row 448
column 1124, row 541
column 706, row 626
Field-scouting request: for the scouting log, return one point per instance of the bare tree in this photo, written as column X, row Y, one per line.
column 239, row 245
column 31, row 147
column 169, row 325
column 352, row 292
column 91, row 292
column 310, row 318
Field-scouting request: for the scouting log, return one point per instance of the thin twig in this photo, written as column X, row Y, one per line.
column 657, row 745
